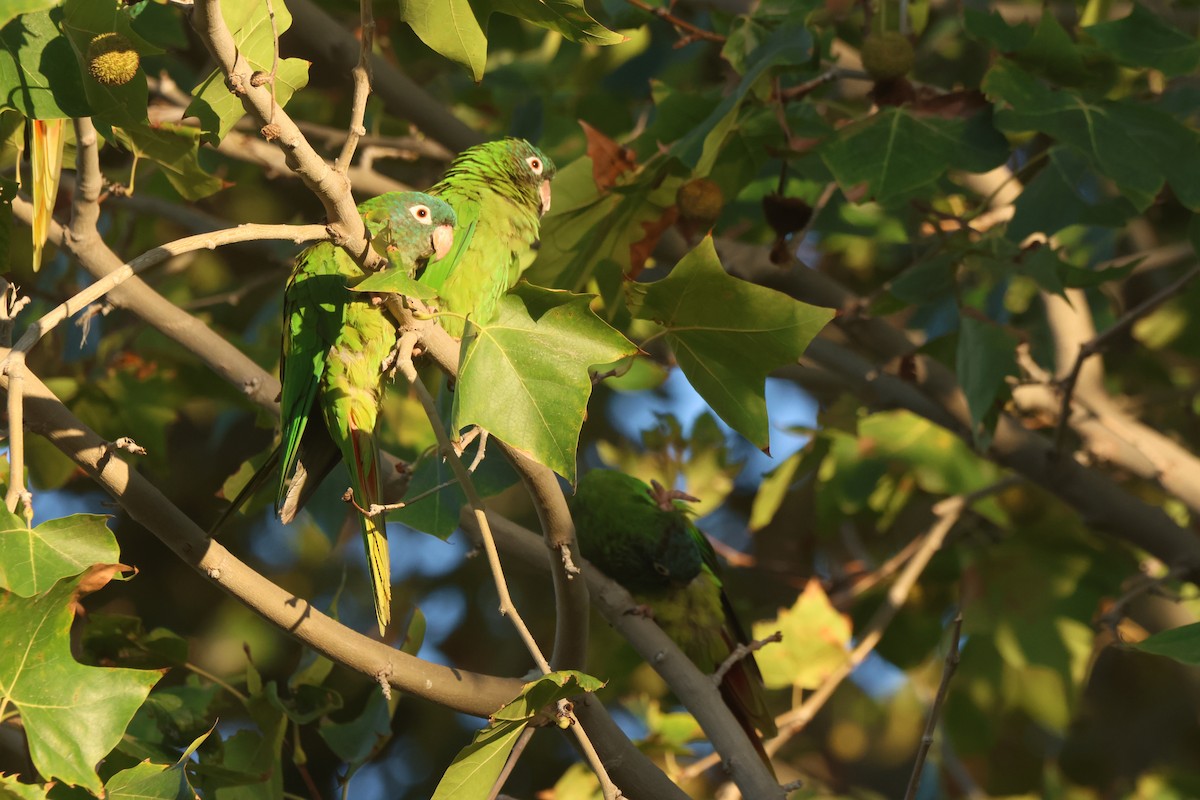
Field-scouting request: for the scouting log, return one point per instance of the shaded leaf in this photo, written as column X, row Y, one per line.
column 356, row 740
column 896, row 152
column 1085, row 124
column 32, row 561
column 986, row 356
column 1181, row 644
column 525, row 377
column 73, row 715
column 175, row 148
column 147, row 781
column 1144, row 39
column 727, row 334
column 38, row 68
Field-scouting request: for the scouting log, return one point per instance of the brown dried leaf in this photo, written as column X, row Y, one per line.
column 609, row 159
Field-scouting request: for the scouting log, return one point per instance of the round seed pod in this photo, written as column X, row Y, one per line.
column 112, row 60
column 700, row 201
column 887, row 56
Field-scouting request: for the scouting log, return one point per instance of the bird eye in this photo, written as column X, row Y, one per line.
column 661, row 569
column 420, row 214
column 535, row 164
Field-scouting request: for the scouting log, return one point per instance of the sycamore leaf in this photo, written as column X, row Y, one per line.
column 457, row 29
column 727, row 334
column 1144, row 39
column 354, row 741
column 1086, row 124
column 986, row 356
column 525, row 376
column 147, row 781
column 55, row 90
column 32, row 561
column 11, row 9
column 815, row 640
column 395, row 280
column 1181, row 644
column 176, row 150
column 476, row 767
column 11, row 788
column 896, row 152
column 217, row 107
column 73, row 715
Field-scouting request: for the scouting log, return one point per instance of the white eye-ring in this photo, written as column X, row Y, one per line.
column 535, row 164
column 421, row 214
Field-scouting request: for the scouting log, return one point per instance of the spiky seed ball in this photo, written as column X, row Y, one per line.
column 887, row 56
column 700, row 201
column 112, row 60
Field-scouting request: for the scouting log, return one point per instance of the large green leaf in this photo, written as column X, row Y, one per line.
column 11, row 9
column 39, row 75
column 727, row 334
column 73, row 715
column 897, row 152
column 218, row 108
column 1181, row 644
column 1067, row 191
column 1144, row 39
column 476, row 767
column 31, row 561
column 1088, row 125
column 525, row 377
column 458, row 28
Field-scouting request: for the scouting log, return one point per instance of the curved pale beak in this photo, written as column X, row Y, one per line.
column 545, row 197
column 443, row 240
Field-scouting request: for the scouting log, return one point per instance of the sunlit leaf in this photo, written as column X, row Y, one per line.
column 727, row 334
column 72, row 715
column 32, row 561
column 525, row 377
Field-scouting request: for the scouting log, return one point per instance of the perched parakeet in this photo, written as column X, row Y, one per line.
column 642, row 539
column 334, row 345
column 499, row 191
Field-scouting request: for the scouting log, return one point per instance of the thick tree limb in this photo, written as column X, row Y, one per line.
column 321, row 38
column 464, row 691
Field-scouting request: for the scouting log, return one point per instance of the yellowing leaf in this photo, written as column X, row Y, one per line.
column 815, row 637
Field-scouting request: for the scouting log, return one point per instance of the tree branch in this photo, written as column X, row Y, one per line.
column 468, row 692
column 330, row 186
column 695, row 689
column 914, row 782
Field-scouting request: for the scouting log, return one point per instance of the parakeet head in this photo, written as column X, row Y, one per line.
column 624, row 532
column 411, row 225
column 512, row 167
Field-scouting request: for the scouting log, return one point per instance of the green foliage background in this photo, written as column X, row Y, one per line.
column 173, row 688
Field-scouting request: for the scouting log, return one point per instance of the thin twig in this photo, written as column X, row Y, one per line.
column 274, row 58
column 479, row 513
column 741, row 652
column 517, row 750
column 1099, row 342
column 362, row 87
column 914, row 782
column 203, row 241
column 689, row 31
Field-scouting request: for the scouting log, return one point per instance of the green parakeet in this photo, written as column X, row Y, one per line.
column 334, row 345
column 642, row 539
column 499, row 192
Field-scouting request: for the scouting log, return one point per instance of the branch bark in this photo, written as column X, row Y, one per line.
column 468, row 692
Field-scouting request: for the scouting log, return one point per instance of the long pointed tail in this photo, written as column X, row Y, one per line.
column 256, row 482
column 380, row 565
